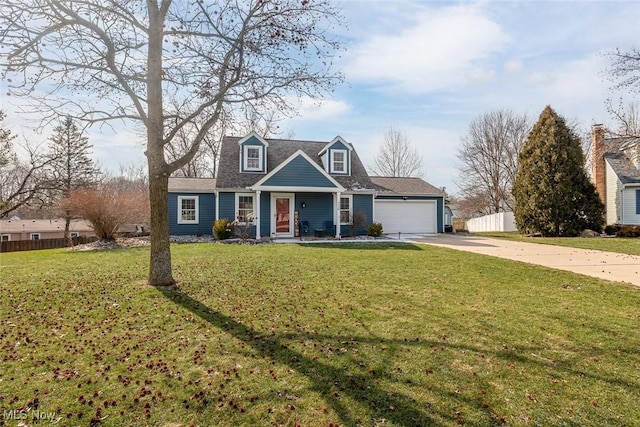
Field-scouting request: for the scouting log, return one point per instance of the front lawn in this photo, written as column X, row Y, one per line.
column 629, row 246
column 314, row 335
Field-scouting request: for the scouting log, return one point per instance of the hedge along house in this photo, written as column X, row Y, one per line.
column 289, row 188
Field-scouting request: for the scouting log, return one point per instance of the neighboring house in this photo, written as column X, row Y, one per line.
column 285, row 188
column 37, row 229
column 615, row 167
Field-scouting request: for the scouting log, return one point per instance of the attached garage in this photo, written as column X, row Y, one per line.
column 407, row 216
column 408, row 205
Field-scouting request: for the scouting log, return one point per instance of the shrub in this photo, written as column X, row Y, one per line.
column 244, row 230
column 108, row 207
column 375, row 229
column 223, row 229
column 612, row 230
column 629, row 231
column 358, row 220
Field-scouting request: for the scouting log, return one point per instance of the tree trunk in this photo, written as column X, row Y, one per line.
column 160, row 263
column 67, row 223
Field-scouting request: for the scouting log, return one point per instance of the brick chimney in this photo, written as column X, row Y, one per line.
column 597, row 161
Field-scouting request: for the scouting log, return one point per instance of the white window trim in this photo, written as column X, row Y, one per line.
column 197, row 207
column 345, row 161
column 350, row 197
column 8, row 236
column 245, row 157
column 74, row 234
column 238, row 195
column 35, row 234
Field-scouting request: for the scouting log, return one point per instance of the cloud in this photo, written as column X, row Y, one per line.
column 513, row 66
column 439, row 48
column 310, row 109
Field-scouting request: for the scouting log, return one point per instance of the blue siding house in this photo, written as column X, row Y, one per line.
column 288, row 188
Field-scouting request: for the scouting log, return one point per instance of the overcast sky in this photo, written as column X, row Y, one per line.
column 430, row 68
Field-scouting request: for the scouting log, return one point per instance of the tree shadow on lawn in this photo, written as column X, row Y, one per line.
column 324, row 377
column 396, row 407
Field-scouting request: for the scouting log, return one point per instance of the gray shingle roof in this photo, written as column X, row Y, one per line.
column 621, row 164
column 412, row 186
column 194, row 185
column 279, row 150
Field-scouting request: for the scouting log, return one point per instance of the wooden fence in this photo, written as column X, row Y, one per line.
column 34, row 245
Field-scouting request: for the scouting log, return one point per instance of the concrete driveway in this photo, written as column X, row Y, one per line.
column 604, row 265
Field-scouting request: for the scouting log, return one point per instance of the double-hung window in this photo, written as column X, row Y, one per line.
column 338, row 161
column 187, row 209
column 346, row 208
column 245, row 203
column 253, row 158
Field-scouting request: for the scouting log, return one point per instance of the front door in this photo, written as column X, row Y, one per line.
column 282, row 214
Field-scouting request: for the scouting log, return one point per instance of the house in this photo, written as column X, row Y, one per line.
column 288, row 188
column 37, row 229
column 615, row 164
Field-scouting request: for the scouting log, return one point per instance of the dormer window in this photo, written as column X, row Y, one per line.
column 338, row 161
column 253, row 158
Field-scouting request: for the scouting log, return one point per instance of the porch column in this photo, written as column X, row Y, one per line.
column 256, row 214
column 217, row 204
column 337, row 215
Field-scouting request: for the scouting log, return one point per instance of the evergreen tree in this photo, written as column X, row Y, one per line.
column 553, row 193
column 71, row 164
column 6, row 146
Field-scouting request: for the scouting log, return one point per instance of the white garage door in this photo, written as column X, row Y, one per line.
column 406, row 216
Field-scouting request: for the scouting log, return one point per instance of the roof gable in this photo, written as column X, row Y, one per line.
column 230, row 177
column 298, row 171
column 253, row 139
column 338, row 143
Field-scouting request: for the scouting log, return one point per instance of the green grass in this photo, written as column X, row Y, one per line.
column 629, row 246
column 315, row 335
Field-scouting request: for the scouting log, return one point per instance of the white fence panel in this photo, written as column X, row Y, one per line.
column 503, row 221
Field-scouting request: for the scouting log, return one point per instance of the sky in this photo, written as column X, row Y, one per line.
column 429, row 68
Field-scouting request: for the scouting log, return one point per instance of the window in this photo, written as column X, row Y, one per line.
column 74, row 234
column 253, row 158
column 638, row 202
column 187, row 209
column 338, row 161
column 345, row 210
column 244, row 202
column 5, row 237
column 35, row 236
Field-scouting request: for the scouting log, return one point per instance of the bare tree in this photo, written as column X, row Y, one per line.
column 162, row 64
column 397, row 157
column 627, row 119
column 624, row 69
column 624, row 73
column 21, row 181
column 240, row 121
column 488, row 157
